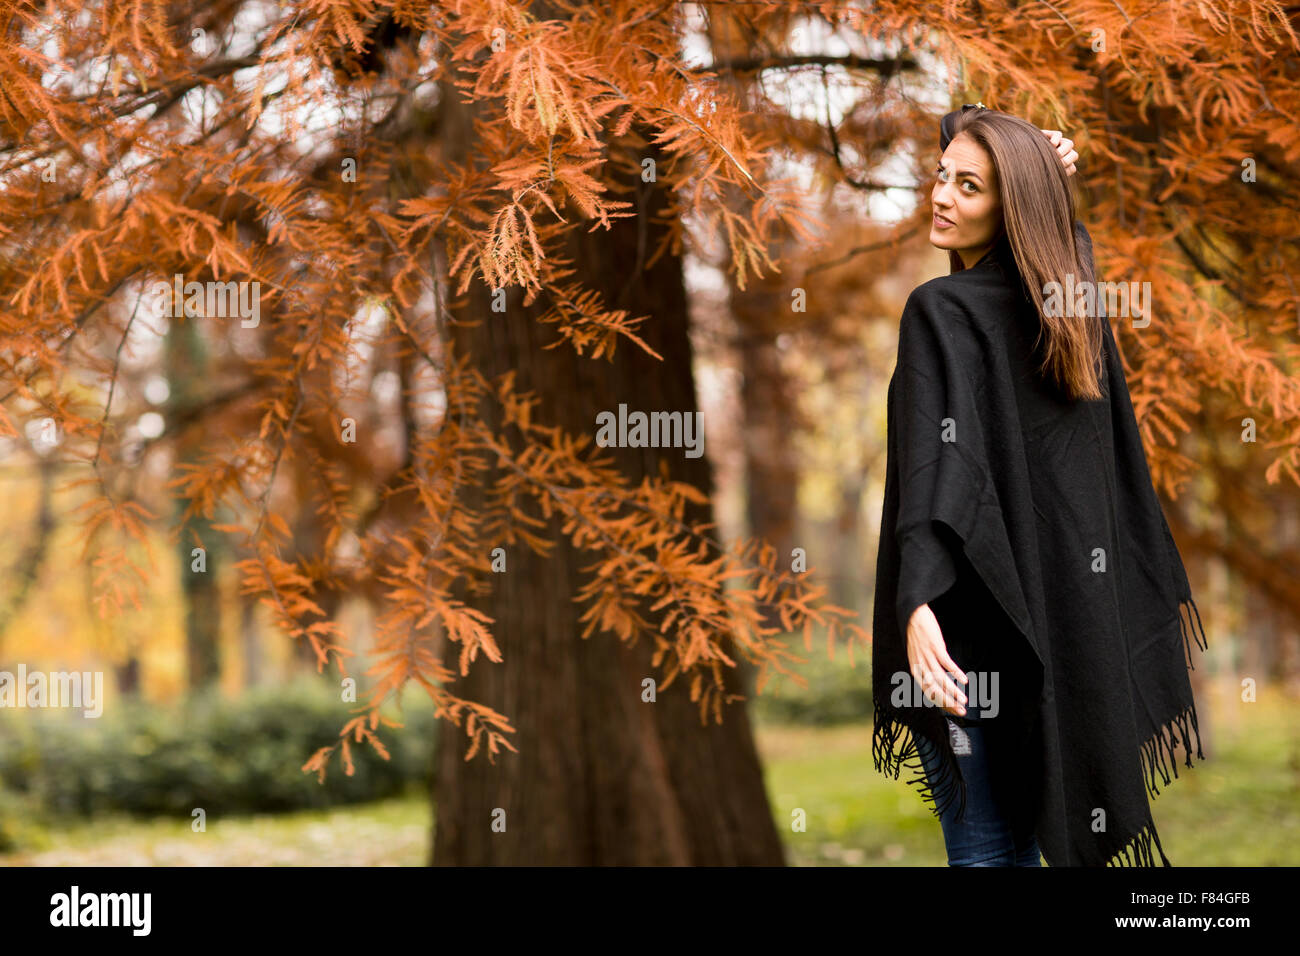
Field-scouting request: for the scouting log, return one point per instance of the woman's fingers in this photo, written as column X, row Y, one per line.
column 940, row 687
column 927, row 655
column 942, row 692
column 950, row 665
column 1069, row 159
column 1064, row 148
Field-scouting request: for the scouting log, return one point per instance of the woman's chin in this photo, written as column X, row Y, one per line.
column 939, row 239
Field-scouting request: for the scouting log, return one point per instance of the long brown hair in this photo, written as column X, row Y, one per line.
column 1038, row 224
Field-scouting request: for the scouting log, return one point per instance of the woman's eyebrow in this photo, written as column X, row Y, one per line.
column 966, row 172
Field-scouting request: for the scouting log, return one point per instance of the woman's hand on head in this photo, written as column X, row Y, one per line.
column 927, row 655
column 1064, row 148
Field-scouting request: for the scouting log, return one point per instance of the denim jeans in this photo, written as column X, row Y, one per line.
column 985, row 835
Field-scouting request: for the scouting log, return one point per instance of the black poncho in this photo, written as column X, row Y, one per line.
column 1049, row 506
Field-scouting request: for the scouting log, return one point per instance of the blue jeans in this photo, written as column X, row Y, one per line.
column 985, row 835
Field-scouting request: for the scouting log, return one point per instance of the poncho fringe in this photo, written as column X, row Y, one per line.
column 1186, row 627
column 894, row 746
column 1137, row 852
column 1163, row 741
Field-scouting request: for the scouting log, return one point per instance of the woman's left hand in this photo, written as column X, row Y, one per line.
column 1064, row 148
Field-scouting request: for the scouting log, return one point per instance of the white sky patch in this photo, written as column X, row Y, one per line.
column 695, row 49
column 144, row 343
column 149, row 425
column 386, row 387
column 156, row 390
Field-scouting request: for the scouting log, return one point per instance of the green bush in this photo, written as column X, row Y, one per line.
column 22, row 825
column 836, row 693
column 225, row 756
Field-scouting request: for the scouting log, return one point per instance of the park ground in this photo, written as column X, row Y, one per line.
column 1238, row 808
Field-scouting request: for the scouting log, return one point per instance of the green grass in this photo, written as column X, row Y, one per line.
column 853, row 815
column 385, row 833
column 1238, row 808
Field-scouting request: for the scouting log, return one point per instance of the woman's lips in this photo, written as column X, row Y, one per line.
column 941, row 223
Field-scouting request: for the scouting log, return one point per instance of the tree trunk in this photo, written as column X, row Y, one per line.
column 186, row 365
column 846, row 572
column 250, row 636
column 771, row 471
column 601, row 777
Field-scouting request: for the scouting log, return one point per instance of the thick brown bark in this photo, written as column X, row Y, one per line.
column 600, row 776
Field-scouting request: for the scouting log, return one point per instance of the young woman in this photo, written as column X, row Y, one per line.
column 1030, row 652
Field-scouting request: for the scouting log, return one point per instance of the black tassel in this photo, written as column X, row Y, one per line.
column 1186, row 627
column 894, row 746
column 1166, row 742
column 1138, row 851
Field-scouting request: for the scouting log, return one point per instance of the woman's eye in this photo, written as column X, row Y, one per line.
column 944, row 176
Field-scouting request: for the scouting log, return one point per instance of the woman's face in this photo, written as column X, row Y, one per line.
column 967, row 211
